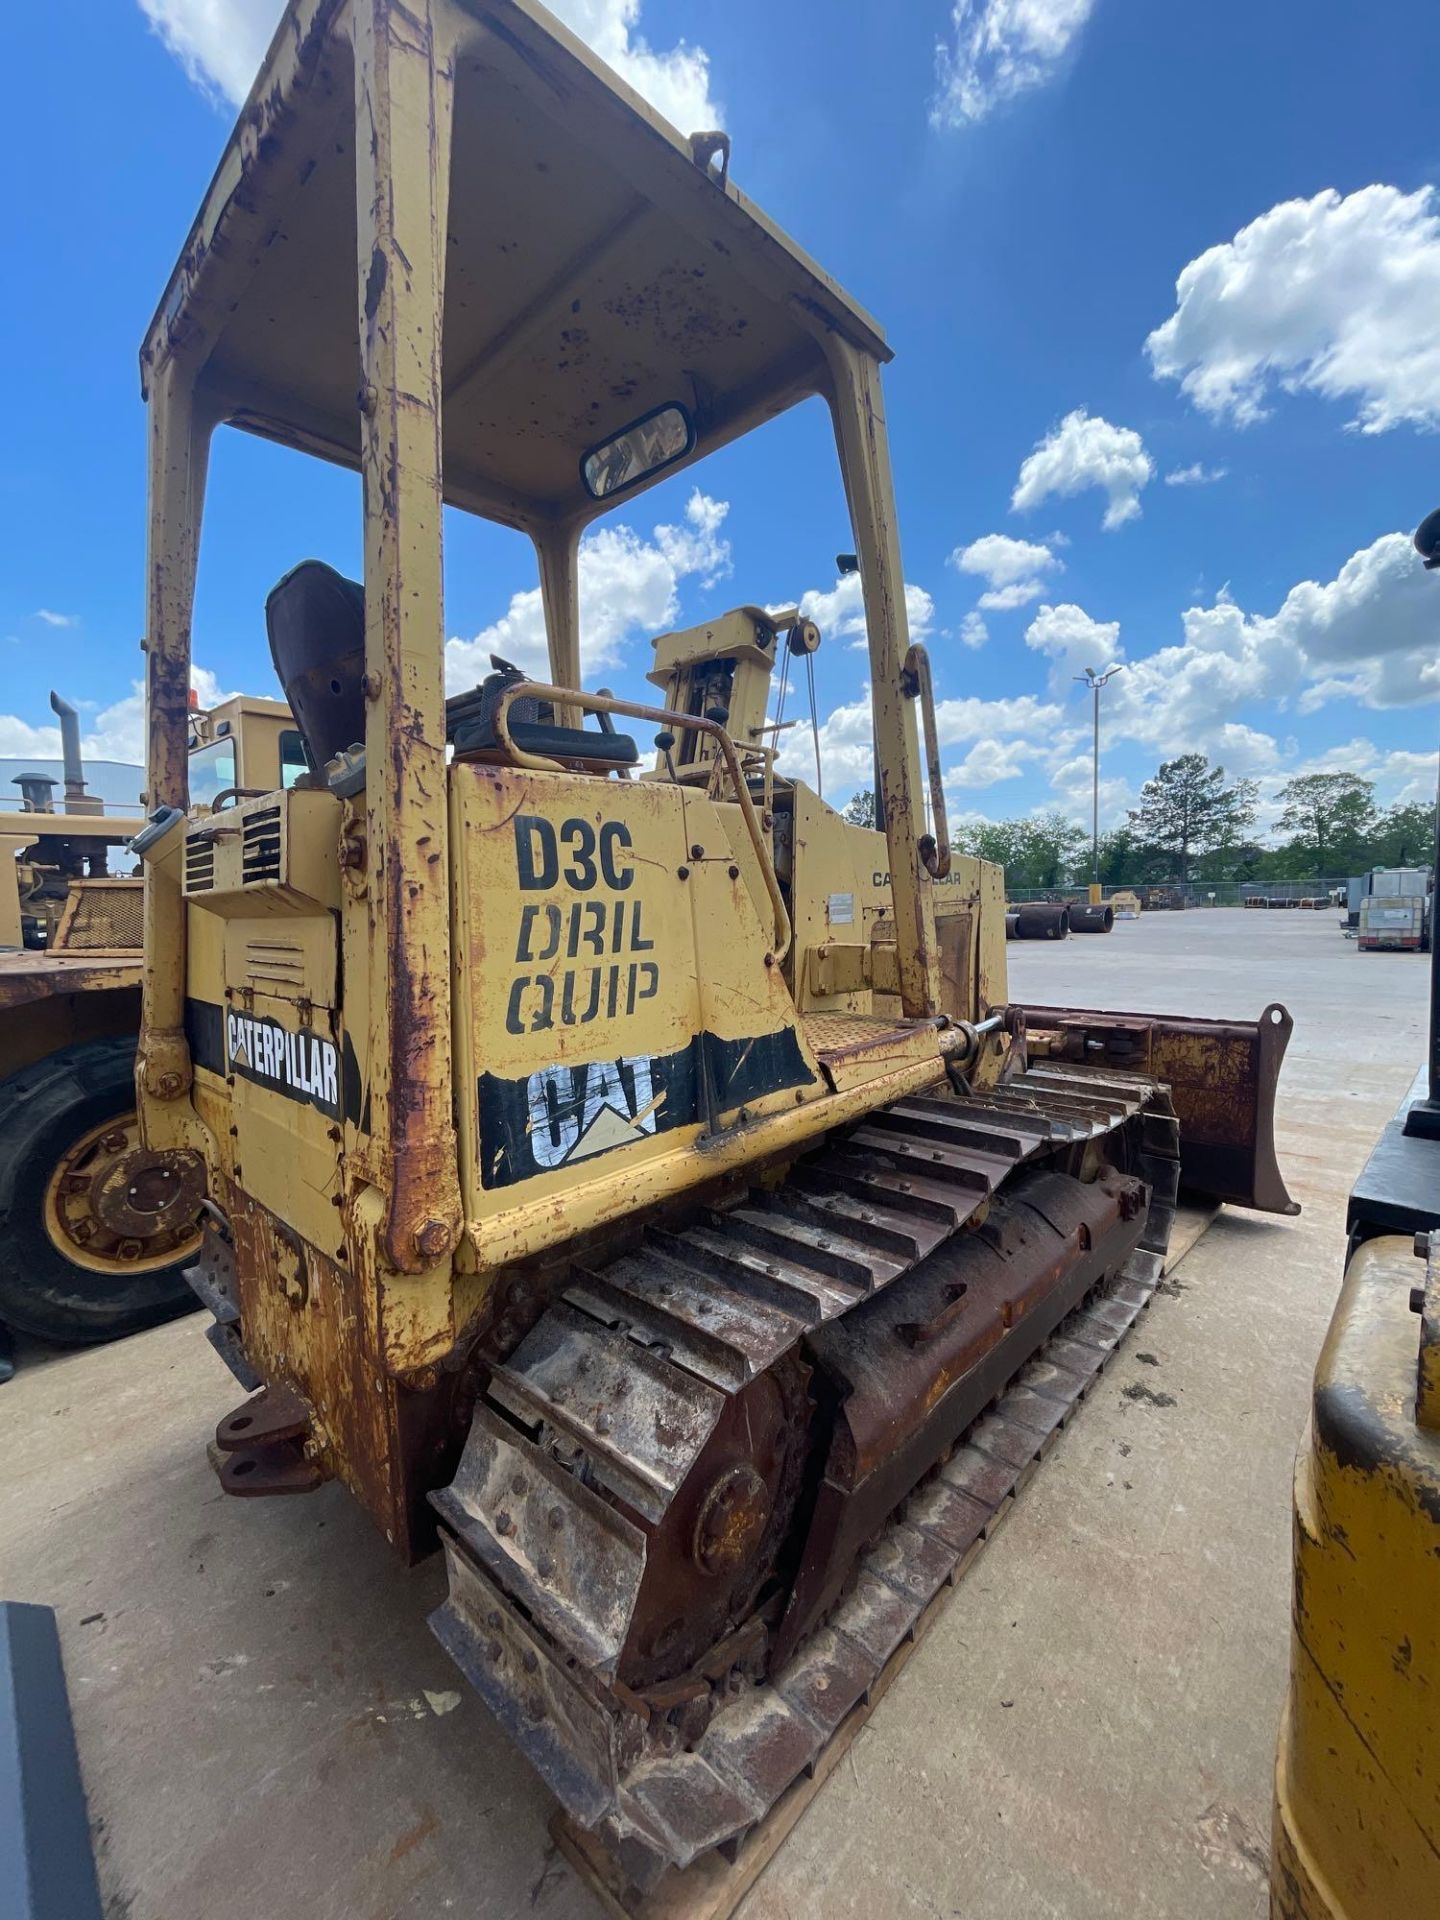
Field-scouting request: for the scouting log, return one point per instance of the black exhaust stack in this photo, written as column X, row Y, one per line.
column 76, row 799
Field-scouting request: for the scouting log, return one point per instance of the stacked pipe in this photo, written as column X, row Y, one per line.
column 1039, row 920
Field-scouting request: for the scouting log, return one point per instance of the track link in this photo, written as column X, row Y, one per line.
column 614, row 1394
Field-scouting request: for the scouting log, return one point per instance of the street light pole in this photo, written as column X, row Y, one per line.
column 1095, row 681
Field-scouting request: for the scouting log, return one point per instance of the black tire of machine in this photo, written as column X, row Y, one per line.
column 1088, row 919
column 1042, row 920
column 44, row 1109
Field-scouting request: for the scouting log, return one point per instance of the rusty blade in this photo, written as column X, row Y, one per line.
column 1222, row 1076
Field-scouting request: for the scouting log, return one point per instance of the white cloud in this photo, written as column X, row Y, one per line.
column 53, row 619
column 997, row 49
column 1198, row 475
column 988, row 762
column 846, row 749
column 220, row 44
column 118, row 732
column 846, row 741
column 839, row 611
column 973, row 631
column 1073, row 642
column 1368, row 634
column 974, row 719
column 1011, row 567
column 1006, row 599
column 1086, row 451
column 18, row 737
column 677, row 83
column 1073, row 781
column 628, row 587
column 1337, row 295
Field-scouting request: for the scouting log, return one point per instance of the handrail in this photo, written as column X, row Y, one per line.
column 662, row 716
column 915, row 683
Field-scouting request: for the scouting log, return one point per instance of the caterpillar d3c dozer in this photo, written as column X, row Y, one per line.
column 638, row 1184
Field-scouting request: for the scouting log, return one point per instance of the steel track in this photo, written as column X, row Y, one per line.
column 613, row 1394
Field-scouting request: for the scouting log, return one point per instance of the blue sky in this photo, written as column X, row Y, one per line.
column 1014, row 187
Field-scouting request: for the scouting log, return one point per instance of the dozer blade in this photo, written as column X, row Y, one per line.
column 1222, row 1076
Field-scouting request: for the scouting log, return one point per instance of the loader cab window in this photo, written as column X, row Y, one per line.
column 292, row 757
column 212, row 770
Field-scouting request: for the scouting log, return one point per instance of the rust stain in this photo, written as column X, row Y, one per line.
column 414, row 1837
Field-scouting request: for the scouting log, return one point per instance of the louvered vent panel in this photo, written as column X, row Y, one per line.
column 260, row 847
column 274, row 964
column 199, row 866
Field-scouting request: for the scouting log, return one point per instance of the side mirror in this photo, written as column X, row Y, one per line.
column 643, row 448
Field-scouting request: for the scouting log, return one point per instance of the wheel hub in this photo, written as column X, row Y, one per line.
column 113, row 1207
column 731, row 1520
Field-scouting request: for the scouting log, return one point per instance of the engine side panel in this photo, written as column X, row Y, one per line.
column 617, row 996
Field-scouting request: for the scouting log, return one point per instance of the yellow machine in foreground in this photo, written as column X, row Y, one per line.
column 78, row 1261
column 638, row 1181
column 1357, row 1778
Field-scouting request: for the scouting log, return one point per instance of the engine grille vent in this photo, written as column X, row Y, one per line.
column 272, row 965
column 103, row 916
column 260, row 847
column 199, row 866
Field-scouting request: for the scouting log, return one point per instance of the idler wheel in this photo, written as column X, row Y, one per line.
column 719, row 1548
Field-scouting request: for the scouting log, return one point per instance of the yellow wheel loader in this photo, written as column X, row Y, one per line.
column 1357, row 1778
column 622, row 1171
column 78, row 1262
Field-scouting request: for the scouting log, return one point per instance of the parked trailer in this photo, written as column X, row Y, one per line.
column 1395, row 923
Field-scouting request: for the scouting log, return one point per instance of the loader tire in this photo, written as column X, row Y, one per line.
column 59, row 1120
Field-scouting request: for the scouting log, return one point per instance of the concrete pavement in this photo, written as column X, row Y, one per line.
column 267, row 1728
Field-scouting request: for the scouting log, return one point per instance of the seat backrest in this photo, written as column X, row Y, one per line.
column 315, row 618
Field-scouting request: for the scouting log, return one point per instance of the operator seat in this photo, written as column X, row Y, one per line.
column 315, row 618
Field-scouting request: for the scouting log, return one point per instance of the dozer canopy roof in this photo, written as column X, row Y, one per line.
column 597, row 272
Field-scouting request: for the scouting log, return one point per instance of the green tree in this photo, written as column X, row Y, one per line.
column 1189, row 808
column 1050, row 846
column 860, row 808
column 1404, row 836
column 994, row 840
column 1330, row 819
column 1038, row 851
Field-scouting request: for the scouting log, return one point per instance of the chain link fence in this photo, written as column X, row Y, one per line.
column 1202, row 893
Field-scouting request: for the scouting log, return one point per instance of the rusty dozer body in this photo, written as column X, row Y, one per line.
column 640, row 1182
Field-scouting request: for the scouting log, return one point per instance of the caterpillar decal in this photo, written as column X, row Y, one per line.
column 303, row 1066
column 561, row 1114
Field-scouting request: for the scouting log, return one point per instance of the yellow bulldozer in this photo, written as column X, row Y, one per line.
column 77, row 1262
column 619, row 1169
